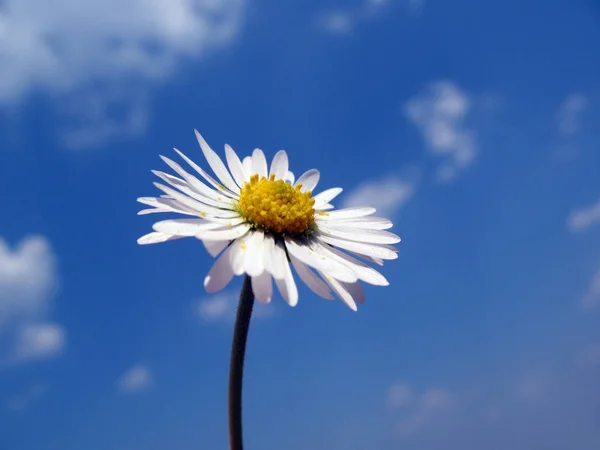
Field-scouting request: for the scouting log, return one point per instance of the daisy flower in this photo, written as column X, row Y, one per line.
column 259, row 221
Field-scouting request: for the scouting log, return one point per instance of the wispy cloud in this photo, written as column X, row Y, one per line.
column 532, row 388
column 399, row 395
column 68, row 47
column 570, row 113
column 591, row 297
column 415, row 5
column 590, row 356
column 337, row 22
column 583, row 218
column 39, row 341
column 431, row 406
column 135, row 379
column 106, row 118
column 418, row 411
column 28, row 280
column 555, row 407
column 440, row 113
column 222, row 307
column 22, row 401
column 344, row 21
column 387, row 194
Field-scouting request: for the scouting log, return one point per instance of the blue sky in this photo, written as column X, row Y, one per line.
column 474, row 124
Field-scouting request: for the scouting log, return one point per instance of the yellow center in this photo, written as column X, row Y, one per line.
column 277, row 206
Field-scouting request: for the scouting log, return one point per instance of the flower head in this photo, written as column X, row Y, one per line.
column 259, row 221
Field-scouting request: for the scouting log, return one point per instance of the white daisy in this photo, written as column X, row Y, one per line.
column 258, row 221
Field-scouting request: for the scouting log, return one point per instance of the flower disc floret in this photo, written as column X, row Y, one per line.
column 276, row 206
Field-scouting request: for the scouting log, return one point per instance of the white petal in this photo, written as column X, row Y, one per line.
column 223, row 234
column 308, row 180
column 224, row 221
column 325, row 207
column 155, row 238
column 185, row 188
column 194, row 182
column 247, row 165
column 216, row 164
column 269, row 249
column 279, row 165
column 253, row 259
column 238, row 250
column 289, row 177
column 215, row 247
column 326, row 196
column 201, row 208
column 167, row 204
column 312, row 257
column 377, row 261
column 218, row 186
column 259, row 163
column 362, row 270
column 315, row 284
column 236, row 167
column 150, row 211
column 184, row 227
column 375, row 223
column 220, row 274
column 278, row 260
column 262, row 287
column 347, row 213
column 374, row 250
column 287, row 286
column 360, row 234
column 340, row 291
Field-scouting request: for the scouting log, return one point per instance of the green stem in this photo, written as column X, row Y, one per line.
column 236, row 367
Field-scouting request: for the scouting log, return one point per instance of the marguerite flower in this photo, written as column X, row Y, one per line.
column 258, row 221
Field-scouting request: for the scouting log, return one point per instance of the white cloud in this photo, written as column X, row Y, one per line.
column 432, row 405
column 570, row 112
column 217, row 307
column 99, row 47
column 337, row 22
column 135, row 379
column 101, row 123
column 344, row 21
column 222, row 307
column 387, row 195
column 399, row 395
column 592, row 296
column 28, row 280
column 39, row 341
column 415, row 5
column 440, row 113
column 582, row 219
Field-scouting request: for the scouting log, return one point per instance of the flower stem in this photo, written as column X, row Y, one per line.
column 236, row 367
